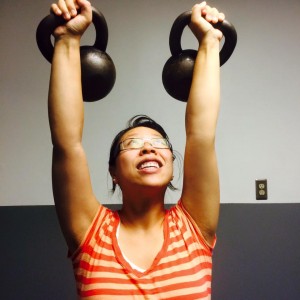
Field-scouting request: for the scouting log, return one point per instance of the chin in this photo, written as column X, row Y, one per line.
column 156, row 184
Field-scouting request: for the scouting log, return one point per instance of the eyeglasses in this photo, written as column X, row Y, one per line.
column 138, row 143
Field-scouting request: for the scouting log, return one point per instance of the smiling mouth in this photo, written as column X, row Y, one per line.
column 149, row 164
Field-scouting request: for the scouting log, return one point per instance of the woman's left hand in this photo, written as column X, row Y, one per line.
column 203, row 16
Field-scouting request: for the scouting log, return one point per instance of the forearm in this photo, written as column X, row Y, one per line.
column 65, row 103
column 203, row 103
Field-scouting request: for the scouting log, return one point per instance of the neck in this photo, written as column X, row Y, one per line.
column 142, row 212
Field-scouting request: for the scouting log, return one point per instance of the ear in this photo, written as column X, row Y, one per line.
column 111, row 171
column 113, row 174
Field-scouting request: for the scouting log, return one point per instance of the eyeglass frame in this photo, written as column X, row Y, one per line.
column 145, row 139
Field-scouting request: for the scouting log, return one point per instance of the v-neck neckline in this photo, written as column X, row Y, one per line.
column 120, row 257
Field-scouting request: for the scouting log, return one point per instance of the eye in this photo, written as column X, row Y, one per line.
column 132, row 143
column 160, row 142
column 135, row 142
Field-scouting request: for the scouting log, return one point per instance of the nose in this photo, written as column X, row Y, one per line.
column 147, row 148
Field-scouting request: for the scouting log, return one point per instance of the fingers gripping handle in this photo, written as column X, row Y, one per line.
column 50, row 22
column 225, row 27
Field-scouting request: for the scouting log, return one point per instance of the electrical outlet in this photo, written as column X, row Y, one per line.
column 261, row 186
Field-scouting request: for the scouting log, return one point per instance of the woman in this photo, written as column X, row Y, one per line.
column 142, row 251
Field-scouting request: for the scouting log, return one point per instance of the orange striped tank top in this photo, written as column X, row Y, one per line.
column 181, row 270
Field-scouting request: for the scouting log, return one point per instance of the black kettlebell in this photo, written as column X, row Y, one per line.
column 98, row 73
column 178, row 70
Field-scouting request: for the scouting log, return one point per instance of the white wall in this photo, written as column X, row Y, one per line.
column 259, row 119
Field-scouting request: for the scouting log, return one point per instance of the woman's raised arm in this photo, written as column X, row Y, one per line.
column 200, row 194
column 75, row 202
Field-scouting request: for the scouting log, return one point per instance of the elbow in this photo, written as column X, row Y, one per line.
column 65, row 138
column 201, row 138
column 61, row 145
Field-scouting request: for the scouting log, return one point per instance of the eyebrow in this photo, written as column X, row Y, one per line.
column 144, row 136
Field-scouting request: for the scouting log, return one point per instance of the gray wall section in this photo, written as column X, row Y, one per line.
column 258, row 132
column 257, row 255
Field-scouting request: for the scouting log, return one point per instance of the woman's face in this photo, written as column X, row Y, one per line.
column 147, row 166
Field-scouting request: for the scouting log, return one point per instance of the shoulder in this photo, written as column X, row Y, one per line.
column 101, row 225
column 183, row 221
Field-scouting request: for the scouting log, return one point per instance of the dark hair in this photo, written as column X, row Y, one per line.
column 136, row 121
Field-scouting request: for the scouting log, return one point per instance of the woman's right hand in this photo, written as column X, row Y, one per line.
column 78, row 16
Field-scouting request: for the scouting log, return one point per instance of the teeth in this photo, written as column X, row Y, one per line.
column 149, row 164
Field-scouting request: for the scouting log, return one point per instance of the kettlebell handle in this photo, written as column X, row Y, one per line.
column 225, row 27
column 50, row 22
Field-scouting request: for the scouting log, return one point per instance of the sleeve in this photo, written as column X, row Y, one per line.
column 190, row 222
column 99, row 218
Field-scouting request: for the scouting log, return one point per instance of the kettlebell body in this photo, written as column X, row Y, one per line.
column 98, row 73
column 178, row 74
column 178, row 70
